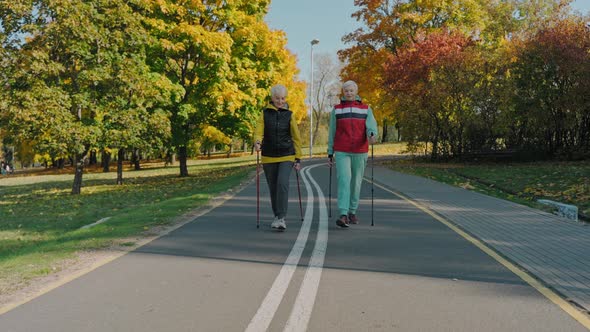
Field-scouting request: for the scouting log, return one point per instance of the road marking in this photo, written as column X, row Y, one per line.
column 301, row 313
column 525, row 276
column 270, row 304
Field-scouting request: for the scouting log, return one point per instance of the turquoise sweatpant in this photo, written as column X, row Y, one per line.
column 350, row 169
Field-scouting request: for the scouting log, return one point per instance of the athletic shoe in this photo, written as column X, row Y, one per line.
column 352, row 219
column 276, row 223
column 342, row 221
column 282, row 225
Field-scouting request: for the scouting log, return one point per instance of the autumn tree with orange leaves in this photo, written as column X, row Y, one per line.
column 445, row 72
column 435, row 80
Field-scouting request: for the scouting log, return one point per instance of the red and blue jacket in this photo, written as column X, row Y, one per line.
column 351, row 123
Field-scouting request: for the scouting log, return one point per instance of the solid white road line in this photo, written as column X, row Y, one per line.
column 301, row 313
column 270, row 304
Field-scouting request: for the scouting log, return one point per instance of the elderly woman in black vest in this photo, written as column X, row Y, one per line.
column 277, row 136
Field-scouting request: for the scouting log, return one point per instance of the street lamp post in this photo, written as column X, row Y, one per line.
column 313, row 42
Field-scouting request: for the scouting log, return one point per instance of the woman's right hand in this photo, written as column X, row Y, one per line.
column 257, row 146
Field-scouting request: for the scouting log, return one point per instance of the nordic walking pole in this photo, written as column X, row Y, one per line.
column 299, row 191
column 372, row 186
column 330, row 189
column 257, row 189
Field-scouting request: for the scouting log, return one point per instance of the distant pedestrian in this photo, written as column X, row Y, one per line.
column 277, row 136
column 352, row 129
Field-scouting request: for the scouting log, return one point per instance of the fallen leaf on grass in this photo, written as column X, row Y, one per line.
column 467, row 186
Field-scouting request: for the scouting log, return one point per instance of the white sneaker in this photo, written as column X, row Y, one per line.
column 282, row 225
column 276, row 223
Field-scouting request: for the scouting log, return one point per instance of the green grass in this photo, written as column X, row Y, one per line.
column 378, row 149
column 524, row 183
column 40, row 220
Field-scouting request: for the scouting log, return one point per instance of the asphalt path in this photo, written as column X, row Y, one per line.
column 408, row 272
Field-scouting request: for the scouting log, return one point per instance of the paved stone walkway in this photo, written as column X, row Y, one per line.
column 551, row 248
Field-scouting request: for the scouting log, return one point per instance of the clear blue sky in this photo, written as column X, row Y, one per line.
column 305, row 20
column 326, row 20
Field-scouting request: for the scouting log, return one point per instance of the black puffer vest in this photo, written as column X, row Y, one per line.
column 277, row 140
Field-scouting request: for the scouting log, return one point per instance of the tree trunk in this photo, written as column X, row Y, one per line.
column 135, row 157
column 106, row 160
column 385, row 131
column 120, row 157
column 434, row 152
column 169, row 158
column 316, row 125
column 61, row 162
column 79, row 164
column 93, row 160
column 182, row 160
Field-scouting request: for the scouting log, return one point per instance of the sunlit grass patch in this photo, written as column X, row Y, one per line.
column 379, row 149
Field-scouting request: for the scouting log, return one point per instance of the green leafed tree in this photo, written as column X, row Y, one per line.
column 193, row 50
column 78, row 74
column 258, row 60
column 224, row 58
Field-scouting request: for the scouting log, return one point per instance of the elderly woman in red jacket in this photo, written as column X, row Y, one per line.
column 352, row 128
